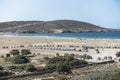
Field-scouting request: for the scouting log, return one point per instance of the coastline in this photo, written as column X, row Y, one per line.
column 84, row 35
column 107, row 47
column 55, row 37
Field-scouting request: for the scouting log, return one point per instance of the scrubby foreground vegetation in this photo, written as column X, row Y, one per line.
column 98, row 75
column 111, row 75
column 66, row 67
column 63, row 64
column 19, row 62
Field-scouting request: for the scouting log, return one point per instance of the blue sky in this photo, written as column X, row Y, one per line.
column 105, row 13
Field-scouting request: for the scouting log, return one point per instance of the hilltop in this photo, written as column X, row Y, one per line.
column 56, row 26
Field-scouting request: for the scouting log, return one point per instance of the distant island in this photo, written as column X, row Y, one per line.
column 56, row 26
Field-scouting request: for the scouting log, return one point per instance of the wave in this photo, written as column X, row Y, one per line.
column 95, row 35
column 41, row 36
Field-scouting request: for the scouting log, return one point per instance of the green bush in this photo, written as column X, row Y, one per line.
column 18, row 59
column 1, row 68
column 63, row 64
column 30, row 68
column 77, row 62
column 25, row 52
column 14, row 52
column 118, row 54
column 12, row 67
column 63, row 68
column 22, row 68
column 68, row 59
column 5, row 73
column 7, row 59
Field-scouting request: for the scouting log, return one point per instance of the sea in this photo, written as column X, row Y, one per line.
column 95, row 35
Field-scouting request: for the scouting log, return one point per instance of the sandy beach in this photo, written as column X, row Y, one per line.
column 51, row 46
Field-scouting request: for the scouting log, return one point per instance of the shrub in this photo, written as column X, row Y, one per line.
column 30, row 68
column 7, row 59
column 105, row 57
column 22, row 68
column 118, row 54
column 99, row 58
column 110, row 57
column 68, row 59
column 25, row 52
column 12, row 67
column 63, row 68
column 14, row 52
column 1, row 68
column 5, row 73
column 46, row 58
column 18, row 59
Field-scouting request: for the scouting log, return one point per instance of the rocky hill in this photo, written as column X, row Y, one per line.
column 57, row 26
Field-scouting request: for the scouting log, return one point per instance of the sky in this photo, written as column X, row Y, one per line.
column 105, row 13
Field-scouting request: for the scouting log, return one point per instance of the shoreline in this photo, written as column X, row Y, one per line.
column 107, row 47
column 52, row 37
column 98, row 35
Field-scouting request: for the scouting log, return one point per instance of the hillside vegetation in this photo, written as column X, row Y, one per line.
column 57, row 26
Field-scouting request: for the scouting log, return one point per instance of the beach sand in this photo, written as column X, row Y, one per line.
column 67, row 42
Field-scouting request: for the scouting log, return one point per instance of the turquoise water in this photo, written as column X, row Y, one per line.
column 103, row 35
